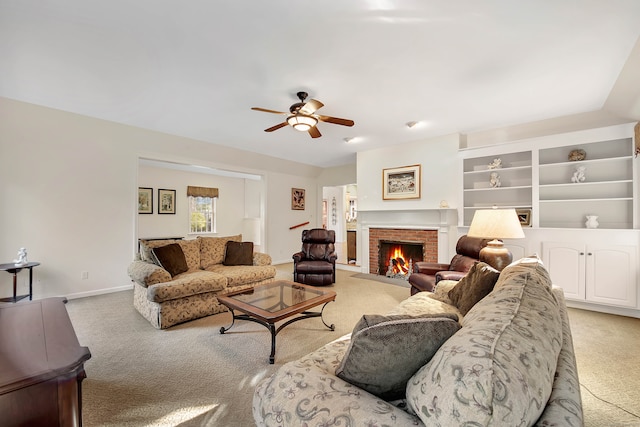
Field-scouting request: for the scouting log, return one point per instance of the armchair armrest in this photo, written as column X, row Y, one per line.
column 147, row 274
column 332, row 257
column 260, row 258
column 298, row 256
column 449, row 275
column 429, row 268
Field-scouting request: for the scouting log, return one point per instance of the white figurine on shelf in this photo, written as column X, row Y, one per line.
column 494, row 180
column 496, row 164
column 578, row 175
column 22, row 258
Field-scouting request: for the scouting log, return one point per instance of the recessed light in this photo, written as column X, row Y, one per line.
column 350, row 139
column 411, row 124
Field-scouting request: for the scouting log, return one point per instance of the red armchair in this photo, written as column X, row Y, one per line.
column 426, row 274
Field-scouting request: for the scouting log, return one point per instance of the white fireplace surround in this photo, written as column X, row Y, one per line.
column 443, row 220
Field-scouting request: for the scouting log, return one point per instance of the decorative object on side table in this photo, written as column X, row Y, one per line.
column 592, row 221
column 401, row 183
column 577, row 155
column 21, row 261
column 578, row 174
column 494, row 180
column 496, row 164
column 166, row 201
column 496, row 224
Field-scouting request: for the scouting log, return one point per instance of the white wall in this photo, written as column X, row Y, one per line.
column 231, row 203
column 439, row 162
column 69, row 195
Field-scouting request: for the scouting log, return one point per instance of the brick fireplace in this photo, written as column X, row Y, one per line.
column 385, row 237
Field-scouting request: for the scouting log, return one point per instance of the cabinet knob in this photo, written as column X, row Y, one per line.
column 589, row 254
column 581, row 253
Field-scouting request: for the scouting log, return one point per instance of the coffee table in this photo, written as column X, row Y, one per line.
column 276, row 301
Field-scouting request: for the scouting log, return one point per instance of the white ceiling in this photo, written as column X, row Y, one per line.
column 195, row 67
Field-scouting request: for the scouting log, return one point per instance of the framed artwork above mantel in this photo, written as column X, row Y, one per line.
column 401, row 183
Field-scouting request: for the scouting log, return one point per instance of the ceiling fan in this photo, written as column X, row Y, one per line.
column 302, row 117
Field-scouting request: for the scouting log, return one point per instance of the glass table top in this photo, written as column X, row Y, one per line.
column 277, row 296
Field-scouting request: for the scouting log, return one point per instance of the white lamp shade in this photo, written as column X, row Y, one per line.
column 302, row 122
column 496, row 224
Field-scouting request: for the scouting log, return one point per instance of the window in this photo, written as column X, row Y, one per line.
column 202, row 209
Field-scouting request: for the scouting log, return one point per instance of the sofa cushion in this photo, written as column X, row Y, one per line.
column 238, row 275
column 212, row 249
column 146, row 246
column 499, row 368
column 385, row 351
column 191, row 249
column 476, row 285
column 171, row 258
column 187, row 284
column 238, row 253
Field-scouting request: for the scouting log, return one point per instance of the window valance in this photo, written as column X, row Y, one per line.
column 202, row 191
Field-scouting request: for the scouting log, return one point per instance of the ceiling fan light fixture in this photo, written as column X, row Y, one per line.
column 302, row 122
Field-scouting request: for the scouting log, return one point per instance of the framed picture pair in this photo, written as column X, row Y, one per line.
column 166, row 201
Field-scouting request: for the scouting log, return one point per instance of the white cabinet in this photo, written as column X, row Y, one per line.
column 515, row 186
column 603, row 274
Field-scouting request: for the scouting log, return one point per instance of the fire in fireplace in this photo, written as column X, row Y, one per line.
column 395, row 259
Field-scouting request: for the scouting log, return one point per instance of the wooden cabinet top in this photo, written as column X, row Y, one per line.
column 37, row 343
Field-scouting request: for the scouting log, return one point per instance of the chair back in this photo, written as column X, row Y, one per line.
column 467, row 253
column 318, row 243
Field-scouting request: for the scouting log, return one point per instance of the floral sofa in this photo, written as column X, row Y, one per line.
column 166, row 299
column 508, row 362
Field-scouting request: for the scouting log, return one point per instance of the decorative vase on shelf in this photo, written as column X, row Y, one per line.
column 592, row 221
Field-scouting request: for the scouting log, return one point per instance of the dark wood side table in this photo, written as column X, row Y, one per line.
column 13, row 269
column 41, row 365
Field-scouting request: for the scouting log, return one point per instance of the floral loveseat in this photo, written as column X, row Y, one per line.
column 509, row 362
column 191, row 292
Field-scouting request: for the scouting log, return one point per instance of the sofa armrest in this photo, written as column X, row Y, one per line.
column 147, row 274
column 260, row 258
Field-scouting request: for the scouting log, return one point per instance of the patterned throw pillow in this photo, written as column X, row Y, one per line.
column 385, row 351
column 238, row 253
column 171, row 258
column 476, row 285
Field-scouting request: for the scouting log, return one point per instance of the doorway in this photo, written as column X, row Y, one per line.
column 340, row 213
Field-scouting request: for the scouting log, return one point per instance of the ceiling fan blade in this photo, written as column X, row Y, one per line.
column 314, row 132
column 276, row 127
column 267, row 111
column 336, row 120
column 311, row 106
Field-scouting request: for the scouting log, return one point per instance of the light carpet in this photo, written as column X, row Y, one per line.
column 191, row 375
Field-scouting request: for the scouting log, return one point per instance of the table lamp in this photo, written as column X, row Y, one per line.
column 496, row 224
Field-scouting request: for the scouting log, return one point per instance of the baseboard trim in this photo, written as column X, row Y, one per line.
column 98, row 292
column 620, row 311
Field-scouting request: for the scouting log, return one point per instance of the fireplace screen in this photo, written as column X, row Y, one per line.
column 395, row 259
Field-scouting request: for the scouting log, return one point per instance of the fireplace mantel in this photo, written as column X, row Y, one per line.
column 421, row 219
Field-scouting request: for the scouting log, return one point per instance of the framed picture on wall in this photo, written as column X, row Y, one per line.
column 166, row 201
column 524, row 215
column 401, row 183
column 145, row 200
column 297, row 199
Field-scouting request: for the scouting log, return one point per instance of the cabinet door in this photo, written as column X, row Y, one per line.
column 566, row 265
column 611, row 275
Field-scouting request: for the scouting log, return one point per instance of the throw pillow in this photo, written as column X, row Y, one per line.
column 171, row 258
column 238, row 253
column 474, row 286
column 385, row 351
